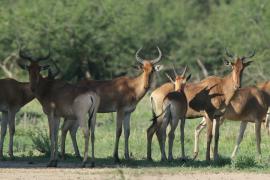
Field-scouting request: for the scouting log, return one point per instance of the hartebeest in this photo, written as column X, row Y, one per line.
column 174, row 109
column 265, row 88
column 60, row 99
column 121, row 95
column 247, row 105
column 13, row 96
column 209, row 98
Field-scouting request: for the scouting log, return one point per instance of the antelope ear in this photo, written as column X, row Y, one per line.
column 227, row 63
column 22, row 65
column 137, row 67
column 189, row 76
column 158, row 67
column 44, row 67
column 247, row 63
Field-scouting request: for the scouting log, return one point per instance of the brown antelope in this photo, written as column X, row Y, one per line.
column 60, row 99
column 265, row 88
column 207, row 98
column 174, row 109
column 247, row 105
column 13, row 96
column 121, row 95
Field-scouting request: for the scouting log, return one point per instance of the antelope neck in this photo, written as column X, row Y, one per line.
column 228, row 88
column 140, row 82
column 29, row 95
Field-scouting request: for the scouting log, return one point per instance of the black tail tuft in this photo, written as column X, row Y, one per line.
column 154, row 116
column 91, row 114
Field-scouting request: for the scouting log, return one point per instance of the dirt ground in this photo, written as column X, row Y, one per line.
column 72, row 174
column 38, row 171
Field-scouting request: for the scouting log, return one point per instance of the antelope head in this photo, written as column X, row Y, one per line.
column 238, row 65
column 180, row 80
column 33, row 66
column 148, row 66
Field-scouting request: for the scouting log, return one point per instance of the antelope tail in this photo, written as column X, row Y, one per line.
column 154, row 116
column 91, row 112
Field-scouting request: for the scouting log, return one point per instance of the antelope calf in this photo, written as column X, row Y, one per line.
column 60, row 99
column 174, row 109
column 120, row 95
column 247, row 105
column 208, row 98
column 13, row 96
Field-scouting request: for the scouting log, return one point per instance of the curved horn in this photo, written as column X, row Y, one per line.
column 169, row 77
column 174, row 71
column 22, row 65
column 57, row 70
column 25, row 56
column 250, row 55
column 184, row 72
column 139, row 59
column 228, row 54
column 44, row 58
column 154, row 61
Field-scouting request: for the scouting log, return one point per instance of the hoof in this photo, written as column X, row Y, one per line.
column 2, row 158
column 11, row 156
column 83, row 165
column 163, row 159
column 195, row 155
column 170, row 159
column 127, row 157
column 93, row 164
column 116, row 160
column 149, row 159
column 183, row 159
column 52, row 163
column 78, row 157
column 216, row 158
column 63, row 157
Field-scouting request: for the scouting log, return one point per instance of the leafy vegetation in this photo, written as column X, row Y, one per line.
column 101, row 37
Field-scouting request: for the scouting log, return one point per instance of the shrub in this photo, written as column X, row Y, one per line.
column 244, row 161
column 41, row 141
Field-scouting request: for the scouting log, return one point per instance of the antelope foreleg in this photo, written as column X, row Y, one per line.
column 119, row 119
column 127, row 133
column 258, row 136
column 65, row 128
column 11, row 121
column 216, row 135
column 54, row 127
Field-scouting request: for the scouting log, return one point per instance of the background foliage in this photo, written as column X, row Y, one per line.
column 102, row 36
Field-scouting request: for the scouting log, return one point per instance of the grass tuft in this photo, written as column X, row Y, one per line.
column 244, row 161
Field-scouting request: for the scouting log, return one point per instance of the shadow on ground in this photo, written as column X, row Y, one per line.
column 73, row 162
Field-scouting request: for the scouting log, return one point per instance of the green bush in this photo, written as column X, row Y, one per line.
column 41, row 141
column 244, row 161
